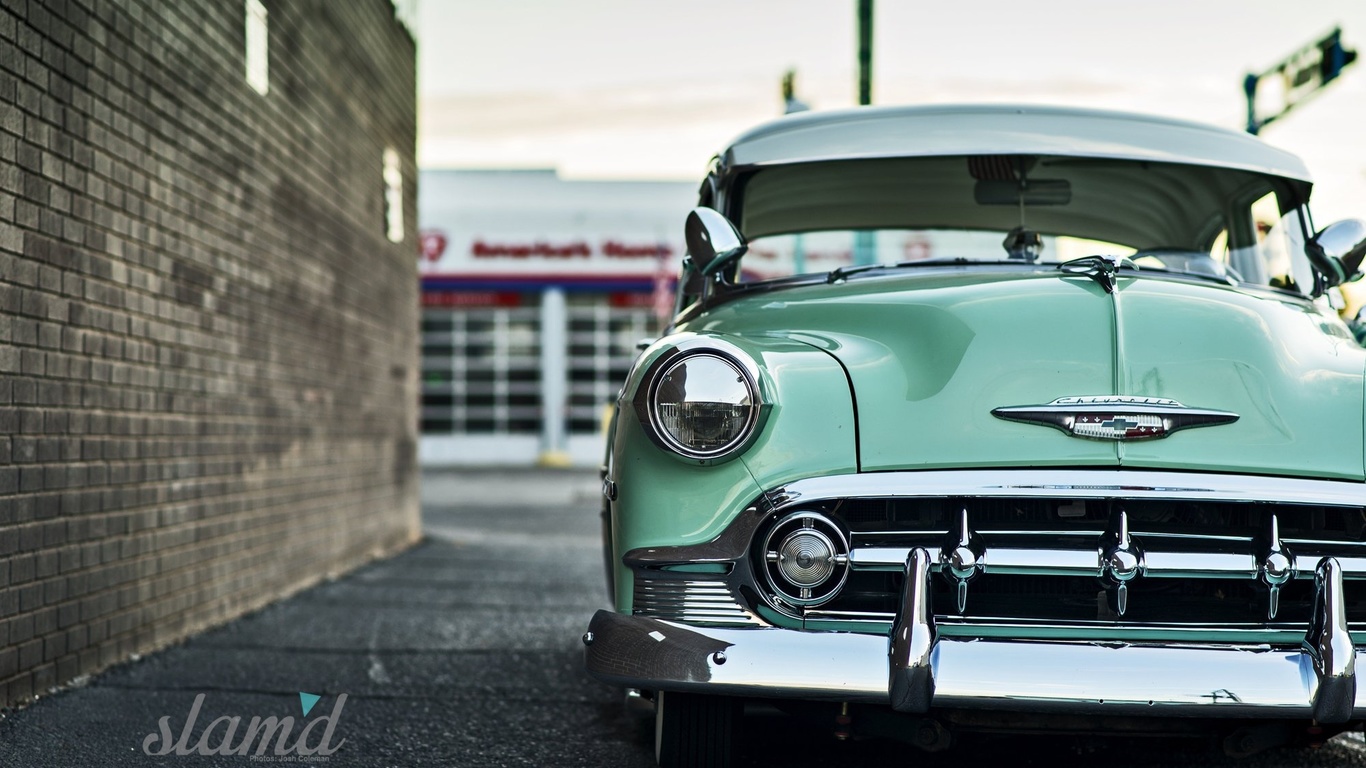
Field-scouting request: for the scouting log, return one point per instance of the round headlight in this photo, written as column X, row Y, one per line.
column 703, row 405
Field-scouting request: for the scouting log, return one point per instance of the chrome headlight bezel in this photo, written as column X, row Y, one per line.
column 746, row 370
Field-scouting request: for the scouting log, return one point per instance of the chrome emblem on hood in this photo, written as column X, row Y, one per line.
column 1115, row 417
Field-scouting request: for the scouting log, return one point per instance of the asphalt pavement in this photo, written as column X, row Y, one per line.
column 462, row 651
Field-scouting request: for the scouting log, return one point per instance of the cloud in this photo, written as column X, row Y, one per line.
column 671, row 130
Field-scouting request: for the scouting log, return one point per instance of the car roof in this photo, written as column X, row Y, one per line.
column 1002, row 129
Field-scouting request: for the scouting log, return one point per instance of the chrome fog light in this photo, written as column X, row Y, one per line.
column 806, row 559
column 703, row 405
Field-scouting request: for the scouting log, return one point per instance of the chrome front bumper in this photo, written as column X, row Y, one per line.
column 1065, row 677
column 914, row 670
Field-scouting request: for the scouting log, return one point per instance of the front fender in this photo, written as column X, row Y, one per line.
column 665, row 499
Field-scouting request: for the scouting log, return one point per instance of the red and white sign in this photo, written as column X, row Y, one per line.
column 439, row 298
column 432, row 244
column 567, row 255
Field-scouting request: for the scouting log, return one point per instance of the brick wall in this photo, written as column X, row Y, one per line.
column 207, row 342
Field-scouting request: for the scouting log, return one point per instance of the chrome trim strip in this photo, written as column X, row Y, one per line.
column 1352, row 567
column 1065, row 562
column 683, row 588
column 936, row 534
column 1158, row 564
column 1201, row 537
column 1043, row 562
column 1078, row 484
column 1077, row 677
column 816, row 614
column 728, row 546
column 704, row 601
column 1200, row 565
column 703, row 619
column 1196, row 630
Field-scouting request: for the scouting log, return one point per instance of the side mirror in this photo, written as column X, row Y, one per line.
column 713, row 242
column 1338, row 249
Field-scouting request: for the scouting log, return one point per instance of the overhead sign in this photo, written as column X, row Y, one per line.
column 1276, row 91
column 571, row 254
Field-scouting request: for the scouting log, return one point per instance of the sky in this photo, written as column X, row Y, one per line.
column 651, row 89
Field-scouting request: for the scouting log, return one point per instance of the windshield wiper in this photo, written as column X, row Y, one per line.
column 840, row 273
column 1101, row 268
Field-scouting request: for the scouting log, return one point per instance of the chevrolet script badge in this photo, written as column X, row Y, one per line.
column 1115, row 417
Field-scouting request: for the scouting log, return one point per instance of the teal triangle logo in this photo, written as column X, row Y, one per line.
column 306, row 701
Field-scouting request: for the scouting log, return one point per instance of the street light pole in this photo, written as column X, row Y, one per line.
column 865, row 52
column 865, row 245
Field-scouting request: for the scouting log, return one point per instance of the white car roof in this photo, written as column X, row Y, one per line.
column 994, row 129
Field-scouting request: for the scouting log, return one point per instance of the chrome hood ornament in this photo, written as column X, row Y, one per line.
column 1115, row 417
column 1102, row 269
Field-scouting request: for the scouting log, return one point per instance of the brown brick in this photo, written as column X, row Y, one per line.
column 171, row 281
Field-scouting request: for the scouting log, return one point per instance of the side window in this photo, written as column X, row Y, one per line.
column 1261, row 244
column 1281, row 242
column 1218, row 250
column 1271, row 245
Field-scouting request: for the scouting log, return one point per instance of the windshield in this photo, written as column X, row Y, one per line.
column 1221, row 224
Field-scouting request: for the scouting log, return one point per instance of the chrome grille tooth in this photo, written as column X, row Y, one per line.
column 1121, row 559
column 1276, row 566
column 962, row 558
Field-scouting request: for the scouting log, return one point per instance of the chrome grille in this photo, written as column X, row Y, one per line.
column 690, row 600
column 869, row 518
column 1194, row 561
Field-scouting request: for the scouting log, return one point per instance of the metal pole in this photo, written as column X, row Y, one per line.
column 554, row 377
column 864, row 246
column 865, row 52
column 1250, row 90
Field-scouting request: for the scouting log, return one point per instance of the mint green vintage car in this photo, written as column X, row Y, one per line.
column 994, row 418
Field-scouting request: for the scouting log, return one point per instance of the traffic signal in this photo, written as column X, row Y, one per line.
column 1334, row 56
column 1299, row 76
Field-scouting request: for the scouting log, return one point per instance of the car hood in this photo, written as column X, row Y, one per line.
column 930, row 356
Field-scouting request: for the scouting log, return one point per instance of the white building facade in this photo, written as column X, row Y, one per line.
column 535, row 293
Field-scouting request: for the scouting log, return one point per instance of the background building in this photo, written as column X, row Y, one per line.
column 208, row 315
column 535, row 293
